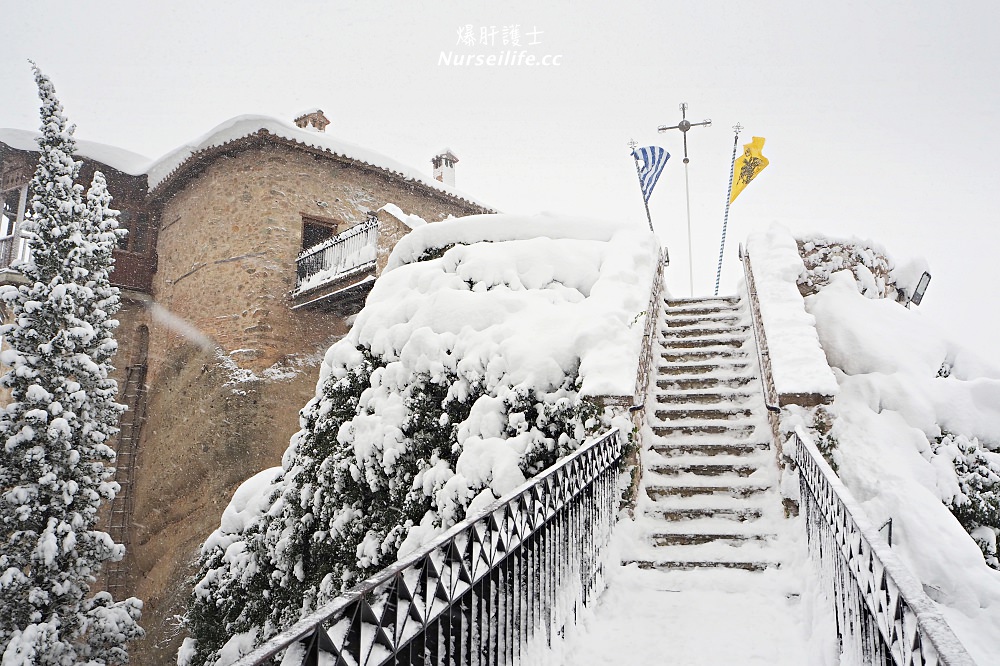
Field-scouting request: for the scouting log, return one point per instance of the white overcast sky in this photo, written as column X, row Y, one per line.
column 880, row 117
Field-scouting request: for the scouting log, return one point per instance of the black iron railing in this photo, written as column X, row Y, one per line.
column 350, row 251
column 507, row 578
column 883, row 615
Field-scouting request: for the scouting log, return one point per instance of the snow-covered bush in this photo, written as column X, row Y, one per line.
column 976, row 502
column 475, row 364
column 55, row 470
column 871, row 267
column 916, row 420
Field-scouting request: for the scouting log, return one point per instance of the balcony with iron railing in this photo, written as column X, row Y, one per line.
column 338, row 273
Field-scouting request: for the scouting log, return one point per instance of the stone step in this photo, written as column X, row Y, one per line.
column 698, row 306
column 700, row 310
column 701, row 343
column 703, row 368
column 702, row 299
column 728, row 397
column 694, row 354
column 656, row 492
column 718, row 414
column 671, row 333
column 688, row 565
column 703, row 382
column 722, row 318
column 674, row 515
column 735, row 431
column 668, row 449
column 703, row 469
column 697, row 539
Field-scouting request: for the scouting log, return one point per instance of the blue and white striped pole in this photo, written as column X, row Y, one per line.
column 725, row 220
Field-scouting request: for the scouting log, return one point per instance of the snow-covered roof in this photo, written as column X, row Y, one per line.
column 243, row 126
column 116, row 158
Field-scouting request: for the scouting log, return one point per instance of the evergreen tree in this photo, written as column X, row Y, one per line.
column 58, row 427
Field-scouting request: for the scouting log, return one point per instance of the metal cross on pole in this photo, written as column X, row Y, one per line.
column 684, row 125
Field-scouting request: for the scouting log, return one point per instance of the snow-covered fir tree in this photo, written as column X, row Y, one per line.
column 57, row 430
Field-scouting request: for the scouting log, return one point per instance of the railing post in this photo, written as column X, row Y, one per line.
column 341, row 254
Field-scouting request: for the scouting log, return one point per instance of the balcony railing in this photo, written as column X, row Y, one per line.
column 883, row 615
column 351, row 251
column 507, row 578
column 13, row 248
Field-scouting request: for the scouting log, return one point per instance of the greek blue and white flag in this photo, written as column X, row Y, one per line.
column 650, row 161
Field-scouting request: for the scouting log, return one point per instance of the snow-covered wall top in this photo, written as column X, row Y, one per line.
column 515, row 300
column 798, row 363
column 412, row 221
column 243, row 126
column 117, row 158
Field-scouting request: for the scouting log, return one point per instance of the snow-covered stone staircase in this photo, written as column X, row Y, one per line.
column 709, row 477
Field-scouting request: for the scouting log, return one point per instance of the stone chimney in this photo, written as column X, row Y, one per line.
column 313, row 118
column 444, row 167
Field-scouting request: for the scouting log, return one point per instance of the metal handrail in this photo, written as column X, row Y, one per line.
column 339, row 253
column 883, row 615
column 509, row 576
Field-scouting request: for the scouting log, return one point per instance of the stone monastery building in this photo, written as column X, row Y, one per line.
column 246, row 251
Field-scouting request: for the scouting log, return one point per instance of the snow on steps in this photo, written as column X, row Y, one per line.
column 709, row 475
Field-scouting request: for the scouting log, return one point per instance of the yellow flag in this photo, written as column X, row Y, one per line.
column 747, row 166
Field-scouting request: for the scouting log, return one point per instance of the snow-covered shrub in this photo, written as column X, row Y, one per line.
column 821, row 426
column 466, row 373
column 824, row 256
column 57, row 430
column 976, row 503
column 874, row 271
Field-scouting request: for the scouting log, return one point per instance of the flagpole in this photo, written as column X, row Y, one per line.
column 729, row 194
column 638, row 173
column 644, row 200
column 684, row 125
column 687, row 196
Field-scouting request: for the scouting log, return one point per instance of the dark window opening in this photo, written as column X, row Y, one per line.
column 138, row 237
column 11, row 200
column 124, row 222
column 316, row 231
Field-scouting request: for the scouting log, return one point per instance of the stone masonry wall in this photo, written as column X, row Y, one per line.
column 230, row 364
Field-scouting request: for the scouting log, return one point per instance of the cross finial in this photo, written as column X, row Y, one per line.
column 632, row 144
column 737, row 128
column 684, row 125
